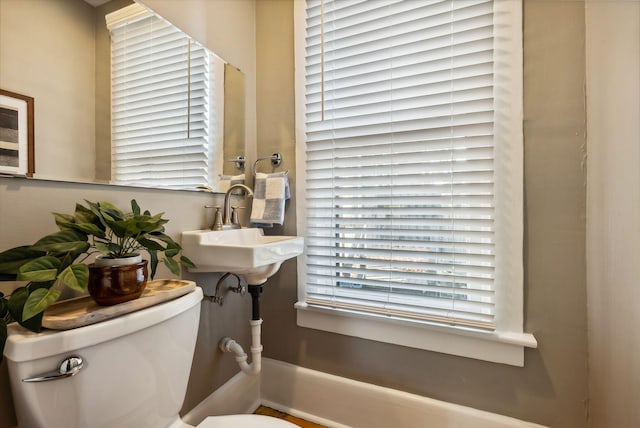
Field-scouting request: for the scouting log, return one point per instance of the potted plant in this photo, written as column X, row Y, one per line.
column 61, row 258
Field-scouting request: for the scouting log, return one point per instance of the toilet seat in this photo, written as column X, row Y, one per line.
column 244, row 421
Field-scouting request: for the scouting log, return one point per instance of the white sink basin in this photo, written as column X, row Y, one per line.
column 245, row 252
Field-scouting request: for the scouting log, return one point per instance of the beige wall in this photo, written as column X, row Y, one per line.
column 613, row 212
column 551, row 389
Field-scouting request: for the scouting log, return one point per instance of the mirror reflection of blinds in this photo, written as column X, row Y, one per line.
column 399, row 180
column 162, row 109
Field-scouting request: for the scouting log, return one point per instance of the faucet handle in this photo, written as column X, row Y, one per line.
column 235, row 218
column 217, row 219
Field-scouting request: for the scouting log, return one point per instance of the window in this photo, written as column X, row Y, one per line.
column 411, row 118
column 164, row 130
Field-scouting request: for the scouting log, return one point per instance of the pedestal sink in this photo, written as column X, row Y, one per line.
column 245, row 252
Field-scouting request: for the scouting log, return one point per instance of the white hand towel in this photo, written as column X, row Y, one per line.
column 270, row 191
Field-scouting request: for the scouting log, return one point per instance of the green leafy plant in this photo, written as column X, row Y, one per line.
column 60, row 257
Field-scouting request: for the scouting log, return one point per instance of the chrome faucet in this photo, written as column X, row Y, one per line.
column 227, row 222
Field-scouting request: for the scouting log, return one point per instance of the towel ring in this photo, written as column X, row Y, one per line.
column 276, row 160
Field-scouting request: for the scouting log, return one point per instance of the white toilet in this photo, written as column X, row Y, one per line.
column 134, row 372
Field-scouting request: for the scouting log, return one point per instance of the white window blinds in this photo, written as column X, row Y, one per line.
column 400, row 100
column 163, row 127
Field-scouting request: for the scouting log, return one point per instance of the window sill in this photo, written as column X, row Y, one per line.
column 497, row 347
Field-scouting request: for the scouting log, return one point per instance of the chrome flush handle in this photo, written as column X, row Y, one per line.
column 68, row 367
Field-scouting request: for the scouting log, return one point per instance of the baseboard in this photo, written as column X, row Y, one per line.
column 239, row 395
column 339, row 402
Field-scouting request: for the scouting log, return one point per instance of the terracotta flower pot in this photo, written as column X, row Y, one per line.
column 110, row 285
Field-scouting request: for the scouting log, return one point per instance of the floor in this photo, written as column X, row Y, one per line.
column 268, row 411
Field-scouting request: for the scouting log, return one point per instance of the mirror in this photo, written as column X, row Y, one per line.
column 59, row 53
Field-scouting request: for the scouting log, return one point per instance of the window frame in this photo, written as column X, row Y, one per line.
column 506, row 344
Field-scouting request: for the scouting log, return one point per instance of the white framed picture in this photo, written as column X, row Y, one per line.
column 16, row 134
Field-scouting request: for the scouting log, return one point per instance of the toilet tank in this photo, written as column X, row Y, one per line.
column 135, row 373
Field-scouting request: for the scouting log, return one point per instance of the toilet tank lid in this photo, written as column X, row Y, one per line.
column 24, row 345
